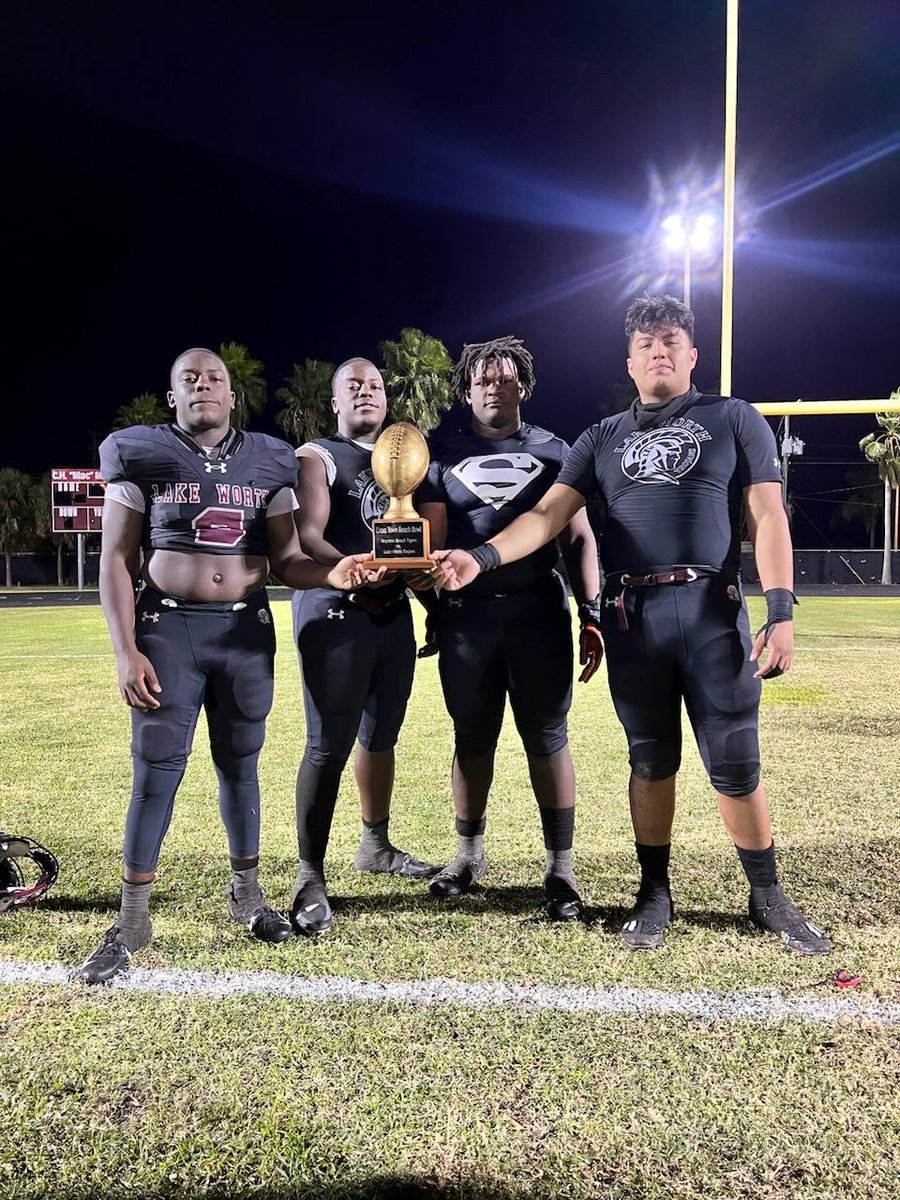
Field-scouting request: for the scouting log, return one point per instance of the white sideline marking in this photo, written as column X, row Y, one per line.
column 105, row 654
column 758, row 1007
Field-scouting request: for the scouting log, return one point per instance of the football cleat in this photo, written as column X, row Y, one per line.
column 264, row 923
column 112, row 956
column 269, row 925
column 310, row 911
column 645, row 926
column 563, row 902
column 771, row 910
column 458, row 877
column 393, row 862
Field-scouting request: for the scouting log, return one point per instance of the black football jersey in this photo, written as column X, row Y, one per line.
column 672, row 491
column 196, row 504
column 485, row 484
column 357, row 499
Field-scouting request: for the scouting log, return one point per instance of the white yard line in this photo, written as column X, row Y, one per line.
column 757, row 1007
column 50, row 657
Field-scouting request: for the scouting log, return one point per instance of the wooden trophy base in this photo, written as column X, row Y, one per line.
column 401, row 545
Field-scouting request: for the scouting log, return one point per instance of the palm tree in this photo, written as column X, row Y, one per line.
column 305, row 401
column 248, row 382
column 145, row 409
column 417, row 372
column 883, row 449
column 16, row 514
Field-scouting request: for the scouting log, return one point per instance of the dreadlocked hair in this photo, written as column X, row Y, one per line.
column 509, row 347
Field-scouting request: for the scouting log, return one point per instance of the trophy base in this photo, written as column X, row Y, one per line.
column 401, row 545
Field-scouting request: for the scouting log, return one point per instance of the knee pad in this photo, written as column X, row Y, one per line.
column 158, row 745
column 661, row 767
column 326, row 760
column 236, row 741
column 739, row 779
column 541, row 743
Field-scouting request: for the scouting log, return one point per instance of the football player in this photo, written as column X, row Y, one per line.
column 672, row 471
column 210, row 510
column 508, row 634
column 357, row 650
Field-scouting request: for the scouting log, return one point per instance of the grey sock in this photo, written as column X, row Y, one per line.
column 560, row 866
column 375, row 836
column 245, row 884
column 471, row 838
column 376, row 851
column 135, row 929
column 308, row 872
column 244, row 896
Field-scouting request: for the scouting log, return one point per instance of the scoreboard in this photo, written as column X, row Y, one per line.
column 77, row 499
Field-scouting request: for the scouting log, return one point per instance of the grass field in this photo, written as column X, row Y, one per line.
column 114, row 1092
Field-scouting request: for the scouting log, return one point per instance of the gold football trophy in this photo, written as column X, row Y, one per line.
column 401, row 538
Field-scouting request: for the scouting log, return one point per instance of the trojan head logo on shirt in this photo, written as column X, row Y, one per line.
column 373, row 502
column 660, row 455
column 497, row 478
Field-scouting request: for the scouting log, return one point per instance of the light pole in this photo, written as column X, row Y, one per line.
column 688, row 232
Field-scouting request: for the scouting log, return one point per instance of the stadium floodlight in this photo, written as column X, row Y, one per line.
column 688, row 233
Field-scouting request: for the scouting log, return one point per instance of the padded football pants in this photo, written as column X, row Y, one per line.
column 219, row 657
column 686, row 641
column 357, row 672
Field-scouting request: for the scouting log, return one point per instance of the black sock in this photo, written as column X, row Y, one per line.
column 759, row 866
column 558, row 825
column 243, row 864
column 654, row 863
column 316, row 797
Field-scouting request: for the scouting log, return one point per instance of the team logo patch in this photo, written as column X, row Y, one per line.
column 264, row 617
column 661, row 455
column 497, row 478
column 733, row 594
column 373, row 502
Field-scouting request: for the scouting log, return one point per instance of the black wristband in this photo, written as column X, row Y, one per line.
column 779, row 607
column 486, row 555
column 589, row 612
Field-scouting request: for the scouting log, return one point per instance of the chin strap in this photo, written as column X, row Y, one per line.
column 14, row 891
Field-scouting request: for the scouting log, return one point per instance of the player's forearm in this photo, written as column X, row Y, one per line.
column 313, row 544
column 296, row 571
column 526, row 534
column 580, row 557
column 773, row 551
column 117, row 602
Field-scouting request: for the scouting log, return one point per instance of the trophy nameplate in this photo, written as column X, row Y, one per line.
column 401, row 538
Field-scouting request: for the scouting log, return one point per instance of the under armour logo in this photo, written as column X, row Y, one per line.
column 336, row 612
column 209, row 467
column 150, row 616
column 452, row 603
column 611, row 603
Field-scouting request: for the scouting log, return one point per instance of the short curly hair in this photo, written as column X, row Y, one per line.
column 509, row 347
column 652, row 312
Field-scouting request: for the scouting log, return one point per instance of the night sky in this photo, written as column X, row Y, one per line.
column 308, row 179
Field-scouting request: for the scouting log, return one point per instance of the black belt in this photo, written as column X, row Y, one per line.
column 654, row 579
column 374, row 604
